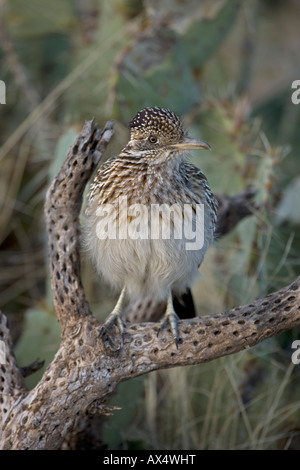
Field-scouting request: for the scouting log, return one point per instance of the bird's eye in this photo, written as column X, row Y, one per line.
column 152, row 139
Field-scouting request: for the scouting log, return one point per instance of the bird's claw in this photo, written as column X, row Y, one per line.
column 117, row 321
column 172, row 321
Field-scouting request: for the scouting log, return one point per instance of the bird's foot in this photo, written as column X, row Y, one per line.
column 114, row 319
column 170, row 319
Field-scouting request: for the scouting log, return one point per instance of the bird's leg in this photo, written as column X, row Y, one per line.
column 115, row 315
column 170, row 317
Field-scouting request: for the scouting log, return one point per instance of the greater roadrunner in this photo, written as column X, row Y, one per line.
column 142, row 212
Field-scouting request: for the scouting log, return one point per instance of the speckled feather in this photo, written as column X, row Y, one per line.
column 148, row 171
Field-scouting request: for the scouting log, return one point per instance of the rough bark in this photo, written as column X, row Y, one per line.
column 86, row 369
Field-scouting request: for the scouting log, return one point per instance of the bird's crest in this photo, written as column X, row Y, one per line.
column 157, row 119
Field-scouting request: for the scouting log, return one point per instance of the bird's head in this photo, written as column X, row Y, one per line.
column 159, row 135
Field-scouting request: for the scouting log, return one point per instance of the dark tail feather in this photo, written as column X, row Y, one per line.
column 184, row 306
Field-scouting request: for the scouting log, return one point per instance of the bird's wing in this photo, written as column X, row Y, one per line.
column 198, row 184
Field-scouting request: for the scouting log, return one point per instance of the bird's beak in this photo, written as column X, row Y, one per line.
column 189, row 144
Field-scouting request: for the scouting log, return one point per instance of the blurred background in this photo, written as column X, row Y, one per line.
column 226, row 68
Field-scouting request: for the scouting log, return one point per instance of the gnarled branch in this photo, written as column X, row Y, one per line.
column 86, row 369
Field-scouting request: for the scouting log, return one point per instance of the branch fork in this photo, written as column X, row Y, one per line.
column 87, row 369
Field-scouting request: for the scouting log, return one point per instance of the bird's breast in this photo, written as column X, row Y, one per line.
column 149, row 230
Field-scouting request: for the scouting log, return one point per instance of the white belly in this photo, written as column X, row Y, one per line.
column 148, row 261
